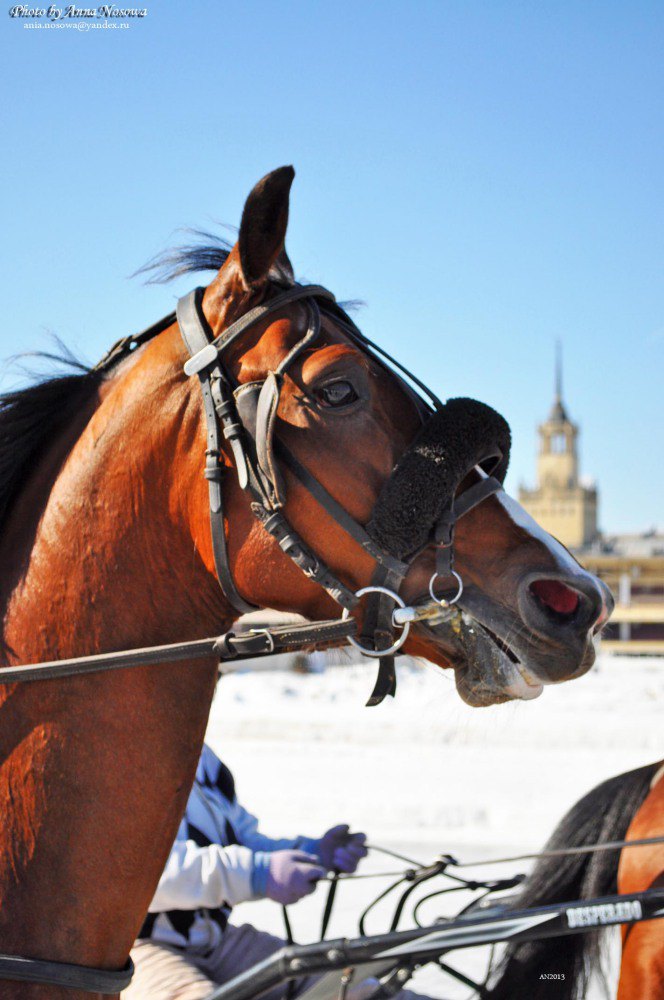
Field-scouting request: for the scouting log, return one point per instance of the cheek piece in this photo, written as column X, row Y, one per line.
column 417, row 507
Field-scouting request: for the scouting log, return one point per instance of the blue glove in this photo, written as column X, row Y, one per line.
column 340, row 850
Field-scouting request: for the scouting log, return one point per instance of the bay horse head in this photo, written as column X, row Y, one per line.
column 342, row 477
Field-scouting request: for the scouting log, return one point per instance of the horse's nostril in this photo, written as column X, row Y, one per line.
column 556, row 596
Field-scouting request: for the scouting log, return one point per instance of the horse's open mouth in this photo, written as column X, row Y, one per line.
column 487, row 670
column 500, row 643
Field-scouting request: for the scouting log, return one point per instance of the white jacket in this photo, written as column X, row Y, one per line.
column 210, row 866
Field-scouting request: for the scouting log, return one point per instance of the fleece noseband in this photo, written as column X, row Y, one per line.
column 420, row 493
column 418, row 505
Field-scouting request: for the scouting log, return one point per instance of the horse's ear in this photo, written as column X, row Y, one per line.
column 264, row 224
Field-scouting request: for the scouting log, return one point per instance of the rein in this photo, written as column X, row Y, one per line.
column 227, row 647
column 564, row 852
column 448, row 859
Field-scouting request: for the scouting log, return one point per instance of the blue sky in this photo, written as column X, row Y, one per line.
column 487, row 176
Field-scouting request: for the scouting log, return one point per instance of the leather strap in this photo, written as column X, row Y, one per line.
column 266, row 416
column 73, row 977
column 293, row 545
column 380, row 355
column 281, row 639
column 444, row 539
column 268, row 402
column 378, row 631
column 475, row 494
column 229, row 646
column 444, row 527
column 312, row 334
column 257, row 468
column 336, row 511
column 193, row 328
column 126, row 345
column 386, row 681
column 206, row 357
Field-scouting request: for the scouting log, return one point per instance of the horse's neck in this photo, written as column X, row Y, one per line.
column 95, row 772
column 110, row 558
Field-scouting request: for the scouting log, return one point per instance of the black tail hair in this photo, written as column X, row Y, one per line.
column 603, row 814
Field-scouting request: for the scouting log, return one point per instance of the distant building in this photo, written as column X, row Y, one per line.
column 560, row 503
column 631, row 565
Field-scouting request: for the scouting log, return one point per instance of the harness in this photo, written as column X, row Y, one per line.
column 245, row 416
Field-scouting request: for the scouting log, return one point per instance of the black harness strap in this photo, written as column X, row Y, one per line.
column 266, row 415
column 268, row 402
column 74, row 977
column 380, row 355
column 386, row 681
column 475, row 494
column 444, row 527
column 378, row 631
column 215, row 347
column 312, row 334
column 292, row 544
column 126, row 345
column 193, row 326
column 337, row 512
column 229, row 646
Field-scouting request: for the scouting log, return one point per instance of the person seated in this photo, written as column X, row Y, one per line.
column 186, row 945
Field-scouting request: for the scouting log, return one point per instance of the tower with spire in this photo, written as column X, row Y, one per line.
column 559, row 502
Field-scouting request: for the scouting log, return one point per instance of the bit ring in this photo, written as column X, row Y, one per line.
column 398, row 643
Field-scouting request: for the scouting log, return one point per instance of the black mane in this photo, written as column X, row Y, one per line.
column 204, row 252
column 33, row 416
column 29, row 417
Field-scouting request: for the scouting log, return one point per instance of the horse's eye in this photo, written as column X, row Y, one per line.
column 337, row 394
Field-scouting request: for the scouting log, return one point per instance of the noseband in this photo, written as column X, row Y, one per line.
column 245, row 416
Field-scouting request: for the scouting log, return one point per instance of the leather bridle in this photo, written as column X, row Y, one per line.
column 245, row 416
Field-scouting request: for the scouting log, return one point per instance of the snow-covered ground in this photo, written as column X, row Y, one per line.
column 425, row 774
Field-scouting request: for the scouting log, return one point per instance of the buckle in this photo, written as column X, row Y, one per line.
column 268, row 635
